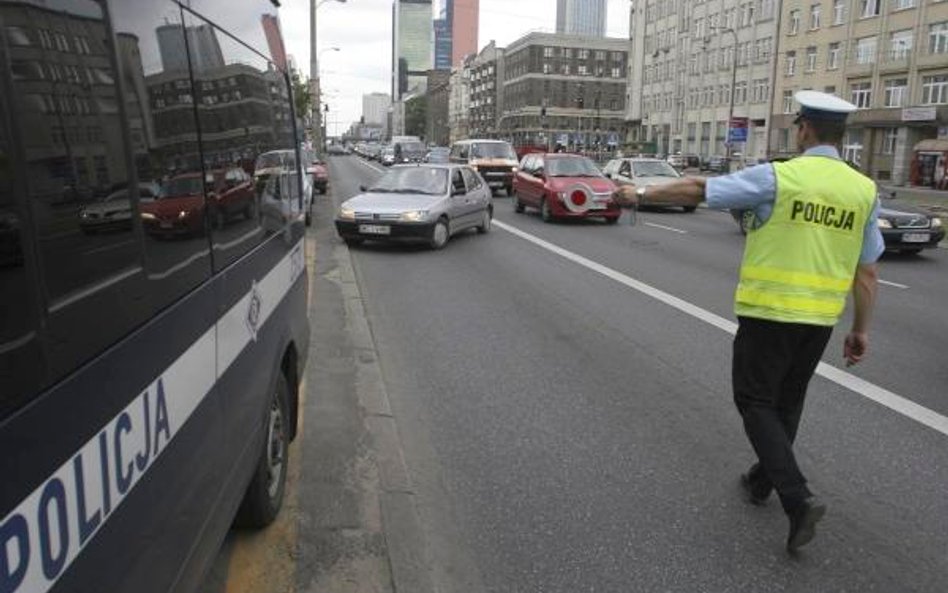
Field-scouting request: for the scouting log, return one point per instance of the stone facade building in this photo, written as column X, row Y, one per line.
column 889, row 57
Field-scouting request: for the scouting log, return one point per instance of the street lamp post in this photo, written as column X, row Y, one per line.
column 314, row 67
column 730, row 112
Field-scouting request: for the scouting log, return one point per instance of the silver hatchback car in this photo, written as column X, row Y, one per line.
column 427, row 203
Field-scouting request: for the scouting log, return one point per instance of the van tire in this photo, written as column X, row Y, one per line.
column 264, row 495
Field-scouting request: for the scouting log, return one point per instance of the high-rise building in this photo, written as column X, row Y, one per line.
column 464, row 16
column 444, row 41
column 689, row 62
column 487, row 96
column 581, row 17
column 375, row 108
column 890, row 59
column 271, row 28
column 412, row 41
column 202, row 43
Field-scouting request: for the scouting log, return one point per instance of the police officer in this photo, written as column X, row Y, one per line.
column 814, row 239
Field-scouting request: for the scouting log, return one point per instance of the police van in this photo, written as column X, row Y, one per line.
column 148, row 370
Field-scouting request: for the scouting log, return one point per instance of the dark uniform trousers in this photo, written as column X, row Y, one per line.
column 772, row 366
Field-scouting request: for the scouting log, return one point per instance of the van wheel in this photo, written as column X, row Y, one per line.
column 264, row 495
column 517, row 204
column 689, row 209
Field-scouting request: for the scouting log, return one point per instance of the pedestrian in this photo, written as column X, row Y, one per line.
column 815, row 237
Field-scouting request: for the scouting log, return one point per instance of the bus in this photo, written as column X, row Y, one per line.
column 150, row 368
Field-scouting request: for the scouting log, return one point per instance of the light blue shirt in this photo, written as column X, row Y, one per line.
column 755, row 188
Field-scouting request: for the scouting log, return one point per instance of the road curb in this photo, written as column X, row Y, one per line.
column 401, row 524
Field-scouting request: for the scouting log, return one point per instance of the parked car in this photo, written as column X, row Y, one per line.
column 564, row 186
column 715, row 164
column 907, row 228
column 427, row 203
column 644, row 172
column 495, row 160
column 114, row 211
column 278, row 162
column 319, row 174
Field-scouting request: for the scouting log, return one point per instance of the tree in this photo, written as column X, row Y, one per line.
column 416, row 116
column 302, row 95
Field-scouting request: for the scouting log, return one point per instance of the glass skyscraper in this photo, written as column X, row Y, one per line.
column 581, row 17
column 413, row 37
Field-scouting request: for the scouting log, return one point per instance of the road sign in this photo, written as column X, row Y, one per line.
column 738, row 130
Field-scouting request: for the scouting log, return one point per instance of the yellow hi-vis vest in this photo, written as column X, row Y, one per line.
column 799, row 266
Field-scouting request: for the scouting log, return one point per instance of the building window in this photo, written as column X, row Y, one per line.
column 547, row 68
column 600, row 55
column 832, row 58
column 889, row 139
column 852, row 146
column 582, row 70
column 866, row 50
column 861, row 94
column 788, row 101
column 765, row 9
column 582, row 54
column 902, row 4
column 839, row 12
column 868, row 8
column 900, row 45
column 791, row 63
column 616, row 72
column 895, row 92
column 814, row 17
column 935, row 90
column 547, row 52
column 740, row 93
column 811, row 59
column 830, row 89
column 794, row 22
column 938, row 38
column 783, row 139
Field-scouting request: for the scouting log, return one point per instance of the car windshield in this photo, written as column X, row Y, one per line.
column 653, row 169
column 413, row 180
column 571, row 167
column 492, row 150
column 182, row 186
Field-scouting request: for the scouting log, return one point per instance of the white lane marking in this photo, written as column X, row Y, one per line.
column 857, row 385
column 895, row 284
column 373, row 167
column 667, row 228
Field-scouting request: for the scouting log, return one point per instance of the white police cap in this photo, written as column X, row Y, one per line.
column 815, row 105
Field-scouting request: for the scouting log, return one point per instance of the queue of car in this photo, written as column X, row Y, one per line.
column 557, row 186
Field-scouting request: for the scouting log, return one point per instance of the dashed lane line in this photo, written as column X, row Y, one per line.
column 857, row 385
column 666, row 228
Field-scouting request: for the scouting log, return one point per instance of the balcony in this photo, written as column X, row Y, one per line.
column 895, row 61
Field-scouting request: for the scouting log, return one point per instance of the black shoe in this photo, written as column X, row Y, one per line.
column 754, row 495
column 803, row 520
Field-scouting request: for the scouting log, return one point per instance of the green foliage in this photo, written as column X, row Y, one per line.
column 416, row 114
column 302, row 95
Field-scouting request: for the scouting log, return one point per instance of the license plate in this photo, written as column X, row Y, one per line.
column 165, row 225
column 916, row 237
column 375, row 229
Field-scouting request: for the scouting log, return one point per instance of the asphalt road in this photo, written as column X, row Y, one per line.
column 568, row 428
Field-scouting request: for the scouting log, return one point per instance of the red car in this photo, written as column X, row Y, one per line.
column 564, row 186
column 180, row 208
column 320, row 175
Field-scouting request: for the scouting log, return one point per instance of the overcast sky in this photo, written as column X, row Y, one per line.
column 362, row 30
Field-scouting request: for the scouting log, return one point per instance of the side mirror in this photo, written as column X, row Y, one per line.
column 608, row 175
column 363, row 188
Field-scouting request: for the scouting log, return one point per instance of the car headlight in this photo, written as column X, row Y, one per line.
column 885, row 223
column 514, row 169
column 347, row 214
column 936, row 222
column 414, row 216
column 474, row 167
column 148, row 216
column 182, row 214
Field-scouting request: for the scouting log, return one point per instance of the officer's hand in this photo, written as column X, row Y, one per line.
column 625, row 196
column 855, row 347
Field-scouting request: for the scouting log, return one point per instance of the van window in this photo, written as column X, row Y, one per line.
column 492, row 150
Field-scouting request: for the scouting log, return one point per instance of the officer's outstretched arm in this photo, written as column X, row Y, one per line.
column 687, row 191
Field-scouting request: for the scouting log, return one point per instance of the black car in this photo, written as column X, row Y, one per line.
column 715, row 164
column 907, row 228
